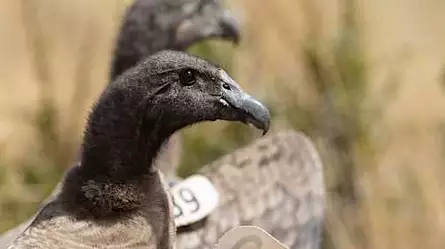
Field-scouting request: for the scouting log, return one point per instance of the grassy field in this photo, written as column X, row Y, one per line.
column 364, row 79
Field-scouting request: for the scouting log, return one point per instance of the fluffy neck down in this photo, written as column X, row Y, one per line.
column 123, row 136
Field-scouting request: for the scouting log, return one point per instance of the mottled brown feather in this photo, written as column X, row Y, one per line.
column 54, row 227
column 275, row 183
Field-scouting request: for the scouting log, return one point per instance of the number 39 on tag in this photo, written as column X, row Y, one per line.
column 193, row 199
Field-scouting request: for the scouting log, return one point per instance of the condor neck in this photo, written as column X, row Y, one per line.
column 122, row 138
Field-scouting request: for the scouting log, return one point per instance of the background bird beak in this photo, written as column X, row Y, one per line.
column 247, row 109
column 223, row 26
column 230, row 28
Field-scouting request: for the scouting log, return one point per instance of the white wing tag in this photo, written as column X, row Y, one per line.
column 193, row 199
column 248, row 237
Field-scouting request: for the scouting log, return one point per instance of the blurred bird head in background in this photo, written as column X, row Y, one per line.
column 206, row 19
column 153, row 25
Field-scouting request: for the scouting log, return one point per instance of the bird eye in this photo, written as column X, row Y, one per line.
column 187, row 77
column 226, row 86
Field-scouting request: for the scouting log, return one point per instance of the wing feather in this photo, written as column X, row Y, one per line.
column 54, row 228
column 275, row 183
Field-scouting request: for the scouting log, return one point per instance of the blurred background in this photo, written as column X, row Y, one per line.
column 364, row 80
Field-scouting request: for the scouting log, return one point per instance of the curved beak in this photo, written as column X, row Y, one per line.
column 230, row 29
column 246, row 108
column 224, row 26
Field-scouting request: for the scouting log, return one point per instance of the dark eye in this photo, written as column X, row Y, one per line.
column 226, row 86
column 187, row 77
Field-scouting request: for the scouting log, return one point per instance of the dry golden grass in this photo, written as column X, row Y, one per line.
column 368, row 90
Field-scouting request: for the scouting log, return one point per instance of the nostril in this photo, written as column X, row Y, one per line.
column 226, row 86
